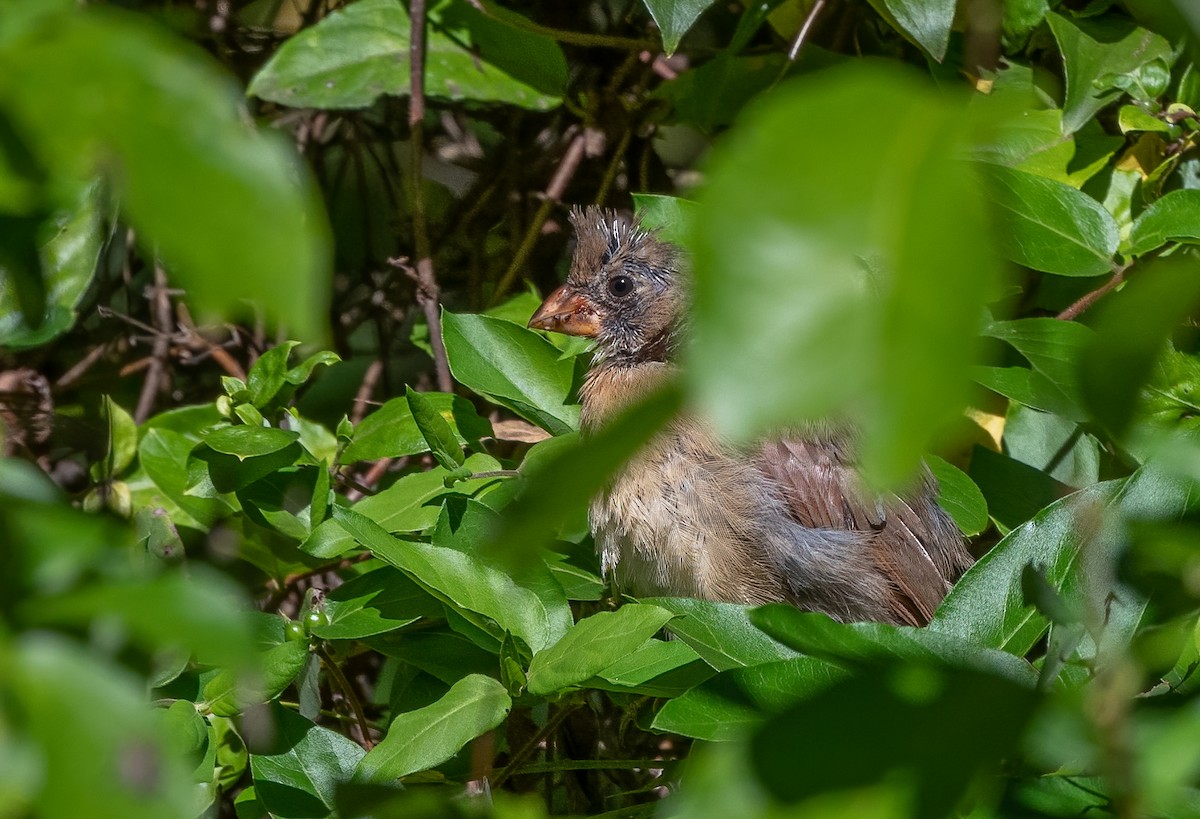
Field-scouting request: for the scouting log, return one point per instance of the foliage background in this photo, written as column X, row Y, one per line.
column 352, row 577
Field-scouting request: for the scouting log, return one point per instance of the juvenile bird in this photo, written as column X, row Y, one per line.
column 786, row 519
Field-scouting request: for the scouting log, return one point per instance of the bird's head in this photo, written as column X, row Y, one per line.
column 625, row 290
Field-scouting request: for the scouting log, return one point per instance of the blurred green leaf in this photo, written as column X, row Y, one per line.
column 988, row 607
column 361, row 52
column 1132, row 329
column 1173, row 218
column 1052, row 226
column 512, row 366
column 935, row 729
column 873, row 311
column 872, row 645
column 298, row 775
column 68, row 261
column 118, row 763
column 959, row 496
column 202, row 612
column 392, row 432
column 1104, row 55
column 429, row 736
column 590, row 645
column 167, row 127
column 575, row 470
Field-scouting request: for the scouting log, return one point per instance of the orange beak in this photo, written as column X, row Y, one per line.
column 568, row 313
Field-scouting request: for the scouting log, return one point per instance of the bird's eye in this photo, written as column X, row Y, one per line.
column 620, row 286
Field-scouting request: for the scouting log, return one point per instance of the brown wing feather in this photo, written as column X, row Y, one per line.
column 915, row 544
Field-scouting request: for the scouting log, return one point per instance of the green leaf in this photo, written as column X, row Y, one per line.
column 268, row 374
column 926, row 22
column 360, row 52
column 668, row 216
column 1053, row 347
column 68, row 254
column 512, row 366
column 441, row 441
column 299, row 773
column 464, row 581
column 1173, row 218
column 721, row 633
column 1015, row 491
column 987, row 606
column 122, row 440
column 250, row 442
column 409, row 505
column 392, row 432
column 674, row 18
column 1053, row 445
column 591, row 644
column 234, row 689
column 421, row 739
column 1030, row 388
column 959, row 496
column 1103, row 55
column 739, row 699
column 376, row 602
column 858, row 283
column 1052, row 226
column 652, row 659
column 169, row 130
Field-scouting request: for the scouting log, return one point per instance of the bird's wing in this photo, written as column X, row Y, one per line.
column 915, row 544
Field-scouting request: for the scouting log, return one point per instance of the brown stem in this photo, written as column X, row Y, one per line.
column 1088, row 299
column 365, row 390
column 157, row 371
column 428, row 294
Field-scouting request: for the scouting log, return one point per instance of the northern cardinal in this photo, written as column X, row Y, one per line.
column 785, row 519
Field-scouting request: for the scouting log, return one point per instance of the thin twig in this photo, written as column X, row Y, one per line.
column 157, row 371
column 802, row 34
column 76, row 372
column 361, row 488
column 339, row 678
column 365, row 390
column 519, row 757
column 551, row 197
column 428, row 294
column 1088, row 299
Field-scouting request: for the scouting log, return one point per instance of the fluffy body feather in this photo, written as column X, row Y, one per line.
column 785, row 520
